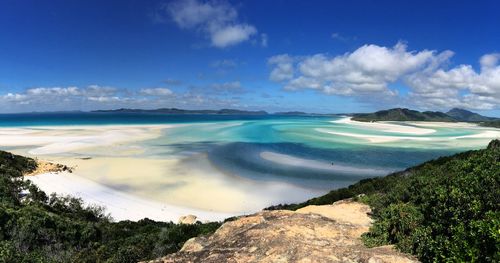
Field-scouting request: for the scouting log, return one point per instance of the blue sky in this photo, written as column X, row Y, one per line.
column 315, row 56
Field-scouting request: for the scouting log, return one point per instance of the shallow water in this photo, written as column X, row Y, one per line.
column 227, row 162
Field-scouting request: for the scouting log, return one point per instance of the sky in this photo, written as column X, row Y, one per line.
column 312, row 56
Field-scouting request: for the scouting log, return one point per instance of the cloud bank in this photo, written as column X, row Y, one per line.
column 370, row 70
column 103, row 97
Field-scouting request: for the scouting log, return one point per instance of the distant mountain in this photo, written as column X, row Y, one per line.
column 300, row 113
column 181, row 111
column 465, row 115
column 291, row 113
column 403, row 114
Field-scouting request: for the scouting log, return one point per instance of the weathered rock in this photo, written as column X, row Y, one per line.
column 313, row 234
column 48, row 167
column 188, row 219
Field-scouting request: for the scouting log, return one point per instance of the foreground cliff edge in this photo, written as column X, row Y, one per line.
column 328, row 233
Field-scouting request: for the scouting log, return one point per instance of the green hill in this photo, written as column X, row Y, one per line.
column 402, row 114
column 35, row 227
column 446, row 209
column 468, row 116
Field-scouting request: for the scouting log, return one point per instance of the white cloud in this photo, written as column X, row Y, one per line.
column 59, row 98
column 103, row 97
column 56, row 91
column 217, row 19
column 14, row 97
column 106, row 99
column 370, row 70
column 231, row 35
column 460, row 86
column 283, row 67
column 157, row 92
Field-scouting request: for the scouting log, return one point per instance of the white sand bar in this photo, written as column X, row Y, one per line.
column 387, row 127
column 120, row 205
column 374, row 138
column 320, row 165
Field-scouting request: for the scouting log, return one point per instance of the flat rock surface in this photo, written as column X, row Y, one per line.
column 329, row 233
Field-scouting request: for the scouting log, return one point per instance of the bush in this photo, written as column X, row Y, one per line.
column 35, row 227
column 442, row 210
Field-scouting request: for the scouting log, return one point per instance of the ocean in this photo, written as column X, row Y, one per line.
column 311, row 153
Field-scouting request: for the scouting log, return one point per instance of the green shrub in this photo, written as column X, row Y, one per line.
column 443, row 210
column 40, row 228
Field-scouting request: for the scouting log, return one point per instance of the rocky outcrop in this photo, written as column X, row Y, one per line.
column 48, row 167
column 187, row 220
column 330, row 233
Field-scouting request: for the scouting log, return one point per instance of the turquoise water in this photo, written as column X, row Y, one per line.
column 293, row 149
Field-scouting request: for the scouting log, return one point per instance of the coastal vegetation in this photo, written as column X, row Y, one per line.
column 35, row 227
column 399, row 114
column 446, row 209
column 494, row 124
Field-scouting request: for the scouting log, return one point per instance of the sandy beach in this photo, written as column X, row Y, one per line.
column 113, row 166
column 120, row 205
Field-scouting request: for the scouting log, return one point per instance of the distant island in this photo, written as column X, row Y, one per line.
column 182, row 111
column 403, row 114
column 396, row 114
column 176, row 111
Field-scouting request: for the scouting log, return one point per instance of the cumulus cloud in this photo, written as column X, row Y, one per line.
column 461, row 86
column 282, row 67
column 371, row 69
column 218, row 20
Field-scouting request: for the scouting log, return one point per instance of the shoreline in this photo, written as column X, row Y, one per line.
column 119, row 205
